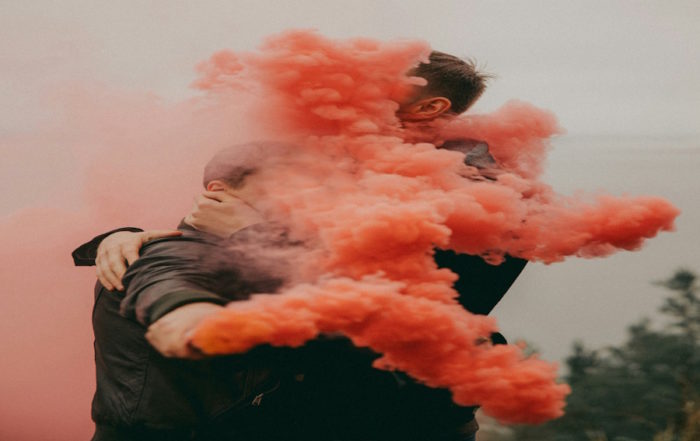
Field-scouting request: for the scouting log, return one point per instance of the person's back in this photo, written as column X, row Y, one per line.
column 352, row 399
column 141, row 393
column 326, row 390
column 340, row 395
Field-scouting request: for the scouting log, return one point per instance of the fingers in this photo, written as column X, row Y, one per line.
column 116, row 269
column 103, row 280
column 130, row 250
column 214, row 199
column 159, row 234
column 211, row 195
column 170, row 334
column 171, row 343
column 120, row 248
column 220, row 196
column 204, row 203
column 194, row 352
column 130, row 254
column 107, row 266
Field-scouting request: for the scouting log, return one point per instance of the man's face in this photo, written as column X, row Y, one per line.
column 250, row 192
column 223, row 210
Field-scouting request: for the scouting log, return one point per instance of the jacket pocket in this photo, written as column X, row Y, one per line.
column 259, row 384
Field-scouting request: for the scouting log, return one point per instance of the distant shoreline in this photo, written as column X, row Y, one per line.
column 629, row 142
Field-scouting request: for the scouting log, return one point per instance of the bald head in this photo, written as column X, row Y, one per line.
column 234, row 164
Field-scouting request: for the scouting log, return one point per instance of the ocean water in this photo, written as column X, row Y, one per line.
column 595, row 300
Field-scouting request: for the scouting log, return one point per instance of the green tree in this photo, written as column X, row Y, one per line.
column 646, row 389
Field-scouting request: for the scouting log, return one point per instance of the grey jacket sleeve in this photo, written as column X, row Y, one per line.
column 165, row 277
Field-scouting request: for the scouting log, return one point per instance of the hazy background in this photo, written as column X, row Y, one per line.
column 622, row 76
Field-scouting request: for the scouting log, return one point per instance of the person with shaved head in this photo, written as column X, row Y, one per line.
column 159, row 285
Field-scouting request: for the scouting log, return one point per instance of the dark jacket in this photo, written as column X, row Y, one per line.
column 480, row 285
column 140, row 389
column 327, row 389
column 322, row 391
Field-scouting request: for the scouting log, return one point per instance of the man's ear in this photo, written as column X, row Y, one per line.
column 216, row 185
column 426, row 109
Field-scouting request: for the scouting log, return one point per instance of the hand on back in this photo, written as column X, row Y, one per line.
column 170, row 334
column 214, row 212
column 221, row 214
column 122, row 248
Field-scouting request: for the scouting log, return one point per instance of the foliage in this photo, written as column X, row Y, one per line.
column 647, row 389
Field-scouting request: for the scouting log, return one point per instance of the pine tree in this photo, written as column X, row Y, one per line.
column 646, row 389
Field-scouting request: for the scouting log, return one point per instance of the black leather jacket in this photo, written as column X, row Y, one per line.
column 325, row 390
column 136, row 386
column 328, row 387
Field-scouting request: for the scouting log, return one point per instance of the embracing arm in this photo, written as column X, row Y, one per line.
column 167, row 294
column 170, row 334
column 112, row 251
column 480, row 285
column 214, row 212
column 86, row 253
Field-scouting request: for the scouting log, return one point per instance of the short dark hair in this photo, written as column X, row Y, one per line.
column 454, row 78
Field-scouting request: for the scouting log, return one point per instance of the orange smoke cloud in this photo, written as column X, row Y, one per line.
column 372, row 195
column 434, row 341
column 376, row 197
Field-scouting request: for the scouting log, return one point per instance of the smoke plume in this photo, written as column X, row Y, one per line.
column 370, row 196
column 375, row 196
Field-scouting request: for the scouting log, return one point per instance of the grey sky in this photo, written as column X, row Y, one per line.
column 595, row 300
column 623, row 67
column 608, row 67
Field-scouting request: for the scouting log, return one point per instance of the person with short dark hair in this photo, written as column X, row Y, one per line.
column 450, row 77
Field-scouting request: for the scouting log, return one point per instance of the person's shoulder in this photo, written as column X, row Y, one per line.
column 175, row 245
column 466, row 145
column 476, row 152
column 169, row 255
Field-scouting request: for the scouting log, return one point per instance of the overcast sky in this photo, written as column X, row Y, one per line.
column 604, row 67
column 623, row 66
column 623, row 77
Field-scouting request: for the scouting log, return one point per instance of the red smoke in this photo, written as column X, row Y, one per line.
column 372, row 195
column 375, row 202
